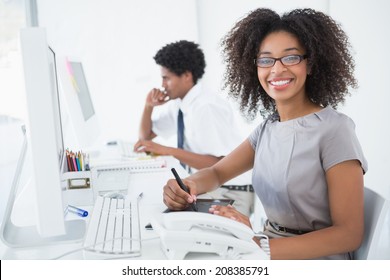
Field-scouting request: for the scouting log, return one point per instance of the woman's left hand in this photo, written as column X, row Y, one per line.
column 231, row 213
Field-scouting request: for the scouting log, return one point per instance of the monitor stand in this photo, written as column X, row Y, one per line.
column 25, row 236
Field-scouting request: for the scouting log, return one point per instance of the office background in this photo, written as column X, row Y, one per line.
column 117, row 39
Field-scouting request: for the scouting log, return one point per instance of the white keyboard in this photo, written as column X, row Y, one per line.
column 114, row 227
column 126, row 149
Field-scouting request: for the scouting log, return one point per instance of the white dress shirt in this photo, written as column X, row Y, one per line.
column 210, row 125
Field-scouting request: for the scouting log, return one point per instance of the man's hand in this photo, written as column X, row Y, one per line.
column 149, row 146
column 156, row 97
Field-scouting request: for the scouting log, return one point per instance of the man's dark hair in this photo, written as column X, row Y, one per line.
column 182, row 56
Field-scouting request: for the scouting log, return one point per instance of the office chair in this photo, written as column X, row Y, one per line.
column 376, row 242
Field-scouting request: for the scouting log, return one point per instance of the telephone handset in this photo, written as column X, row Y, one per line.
column 185, row 232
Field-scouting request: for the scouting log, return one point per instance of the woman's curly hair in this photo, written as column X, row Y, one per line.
column 182, row 56
column 326, row 44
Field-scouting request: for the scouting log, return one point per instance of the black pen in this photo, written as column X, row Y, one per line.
column 184, row 188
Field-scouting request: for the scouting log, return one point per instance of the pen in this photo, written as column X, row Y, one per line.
column 184, row 188
column 77, row 211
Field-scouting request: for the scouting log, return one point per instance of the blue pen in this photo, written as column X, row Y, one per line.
column 77, row 211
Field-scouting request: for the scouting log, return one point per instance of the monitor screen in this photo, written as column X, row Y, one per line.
column 82, row 120
column 76, row 71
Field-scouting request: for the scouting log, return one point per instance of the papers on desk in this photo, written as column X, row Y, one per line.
column 114, row 175
column 135, row 165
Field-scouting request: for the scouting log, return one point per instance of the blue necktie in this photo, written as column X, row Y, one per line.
column 180, row 133
column 180, row 130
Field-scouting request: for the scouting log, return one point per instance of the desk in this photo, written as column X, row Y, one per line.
column 150, row 184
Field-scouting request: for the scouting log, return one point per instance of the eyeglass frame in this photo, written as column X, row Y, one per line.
column 301, row 58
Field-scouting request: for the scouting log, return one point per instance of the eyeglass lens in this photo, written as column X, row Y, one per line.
column 286, row 60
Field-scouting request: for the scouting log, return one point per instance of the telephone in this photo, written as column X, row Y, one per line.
column 196, row 232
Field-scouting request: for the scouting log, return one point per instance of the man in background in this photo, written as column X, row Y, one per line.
column 204, row 122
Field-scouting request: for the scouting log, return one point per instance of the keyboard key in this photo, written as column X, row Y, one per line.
column 114, row 227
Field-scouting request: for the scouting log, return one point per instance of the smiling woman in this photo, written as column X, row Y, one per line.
column 297, row 86
column 305, row 172
column 324, row 61
column 283, row 81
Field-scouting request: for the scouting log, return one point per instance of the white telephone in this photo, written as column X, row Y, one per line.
column 185, row 232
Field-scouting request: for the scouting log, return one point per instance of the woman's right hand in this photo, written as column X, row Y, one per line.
column 177, row 199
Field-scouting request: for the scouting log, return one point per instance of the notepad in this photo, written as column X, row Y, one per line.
column 115, row 176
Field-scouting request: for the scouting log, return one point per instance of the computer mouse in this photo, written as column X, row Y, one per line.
column 116, row 195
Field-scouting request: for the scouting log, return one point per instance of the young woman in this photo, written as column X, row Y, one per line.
column 307, row 162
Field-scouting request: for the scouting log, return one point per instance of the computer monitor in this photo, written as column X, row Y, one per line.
column 45, row 141
column 84, row 122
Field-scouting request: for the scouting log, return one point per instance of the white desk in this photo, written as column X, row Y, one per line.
column 151, row 185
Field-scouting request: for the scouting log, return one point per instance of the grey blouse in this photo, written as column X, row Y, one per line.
column 291, row 159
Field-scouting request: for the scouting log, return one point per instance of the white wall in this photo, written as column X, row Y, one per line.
column 116, row 40
column 366, row 23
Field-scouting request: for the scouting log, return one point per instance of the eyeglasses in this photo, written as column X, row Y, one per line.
column 288, row 60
